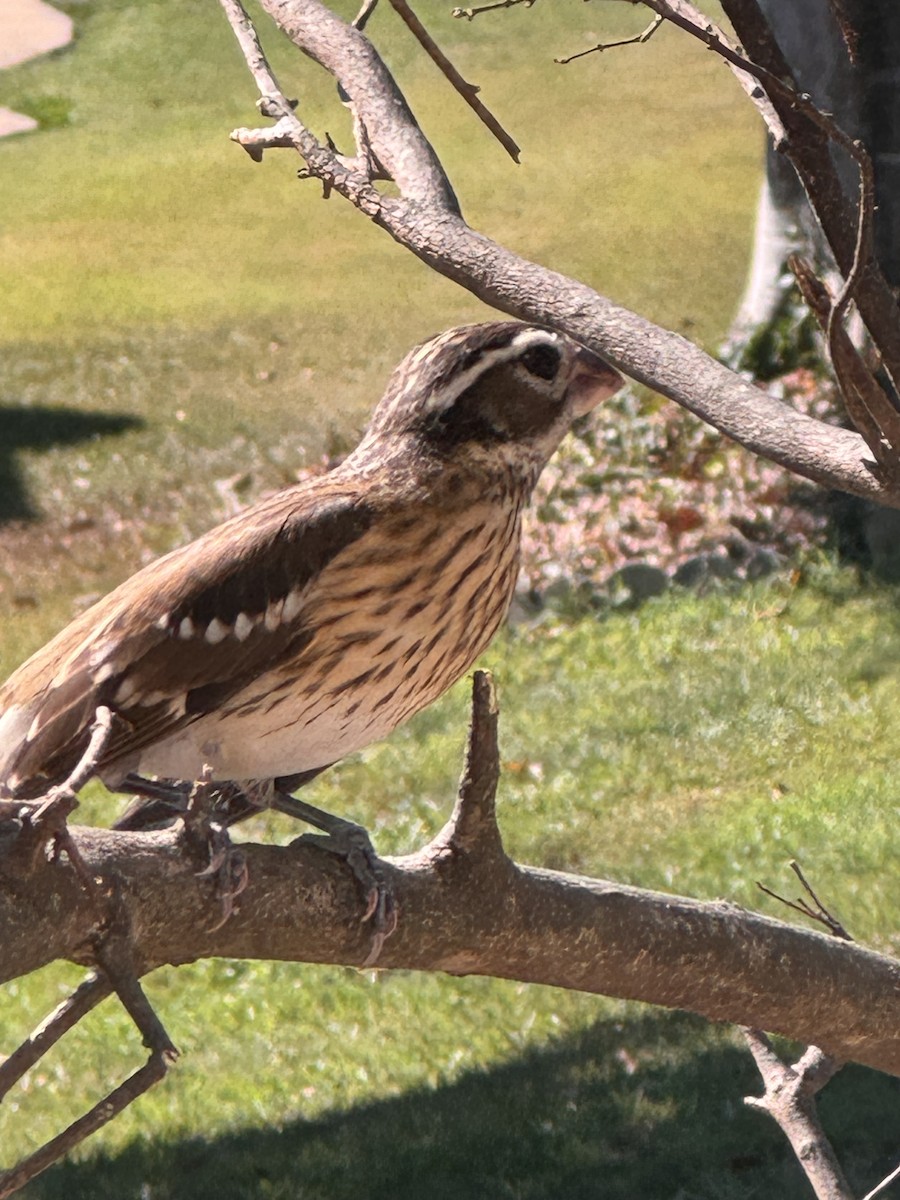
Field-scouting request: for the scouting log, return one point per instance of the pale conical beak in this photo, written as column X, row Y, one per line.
column 590, row 381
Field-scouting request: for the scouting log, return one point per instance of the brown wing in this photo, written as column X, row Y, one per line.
column 179, row 637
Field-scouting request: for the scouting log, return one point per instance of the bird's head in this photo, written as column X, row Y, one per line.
column 501, row 391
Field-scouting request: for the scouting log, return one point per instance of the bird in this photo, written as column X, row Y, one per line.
column 319, row 619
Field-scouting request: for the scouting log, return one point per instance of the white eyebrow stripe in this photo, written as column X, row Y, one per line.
column 447, row 396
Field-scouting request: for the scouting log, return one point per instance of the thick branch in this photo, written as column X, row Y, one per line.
column 425, row 220
column 467, row 911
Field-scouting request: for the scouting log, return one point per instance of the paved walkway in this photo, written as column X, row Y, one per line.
column 28, row 28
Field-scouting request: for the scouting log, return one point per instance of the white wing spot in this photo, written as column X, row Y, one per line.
column 216, row 631
column 104, row 672
column 186, row 629
column 272, row 618
column 243, row 626
column 125, row 692
column 293, row 602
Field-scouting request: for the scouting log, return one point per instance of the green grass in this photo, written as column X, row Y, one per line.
column 180, row 330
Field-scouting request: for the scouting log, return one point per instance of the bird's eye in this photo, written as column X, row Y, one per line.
column 542, row 361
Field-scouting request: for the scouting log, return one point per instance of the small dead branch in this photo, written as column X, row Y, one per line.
column 790, row 1091
column 790, row 1100
column 868, row 407
column 815, row 911
column 886, row 1182
column 639, row 39
column 361, row 20
column 263, row 75
column 47, row 821
column 808, row 143
column 468, row 91
column 101, row 1114
column 115, row 958
column 471, row 13
column 114, row 954
column 827, row 918
column 63, row 1018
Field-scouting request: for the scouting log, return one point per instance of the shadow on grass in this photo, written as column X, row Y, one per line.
column 648, row 1107
column 41, row 428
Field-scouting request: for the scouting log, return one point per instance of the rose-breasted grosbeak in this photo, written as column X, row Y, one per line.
column 323, row 617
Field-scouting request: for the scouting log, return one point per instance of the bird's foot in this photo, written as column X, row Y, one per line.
column 227, row 863
column 162, row 802
column 158, row 803
column 351, row 842
column 228, row 867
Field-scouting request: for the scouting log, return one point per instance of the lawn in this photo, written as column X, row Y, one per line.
column 181, row 330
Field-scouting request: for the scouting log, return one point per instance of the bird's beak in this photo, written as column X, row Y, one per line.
column 590, row 381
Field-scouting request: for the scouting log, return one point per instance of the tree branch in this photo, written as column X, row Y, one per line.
column 790, row 1100
column 425, row 219
column 468, row 91
column 809, row 135
column 465, row 909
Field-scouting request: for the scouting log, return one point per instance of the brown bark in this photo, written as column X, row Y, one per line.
column 464, row 909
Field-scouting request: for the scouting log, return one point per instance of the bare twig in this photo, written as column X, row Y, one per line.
column 471, row 13
column 809, row 146
column 868, row 406
column 361, row 20
column 256, row 60
column 468, row 91
column 790, row 1091
column 825, row 914
column 815, row 912
column 63, row 1018
column 886, row 1182
column 639, row 39
column 47, row 820
column 98, row 1116
column 688, row 18
column 849, row 32
column 790, row 1099
column 114, row 958
column 115, row 955
column 255, row 141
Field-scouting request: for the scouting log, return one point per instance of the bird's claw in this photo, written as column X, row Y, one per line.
column 352, row 843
